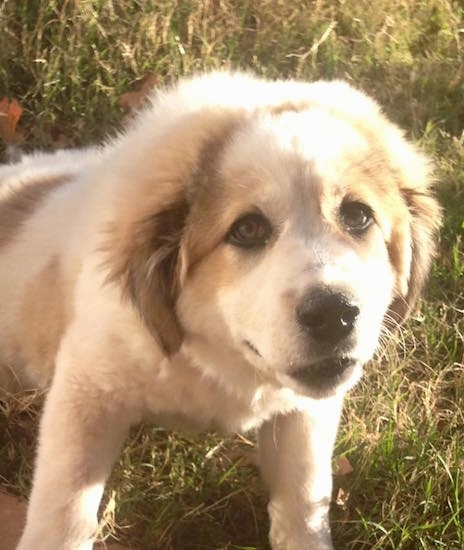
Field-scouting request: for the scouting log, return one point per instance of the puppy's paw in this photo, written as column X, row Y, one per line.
column 300, row 531
column 308, row 541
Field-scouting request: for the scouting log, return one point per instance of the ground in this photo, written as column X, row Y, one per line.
column 69, row 63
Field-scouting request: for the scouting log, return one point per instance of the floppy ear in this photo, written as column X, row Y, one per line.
column 145, row 261
column 156, row 184
column 151, row 276
column 415, row 236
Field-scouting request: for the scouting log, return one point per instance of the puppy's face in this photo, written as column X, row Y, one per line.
column 289, row 249
column 299, row 232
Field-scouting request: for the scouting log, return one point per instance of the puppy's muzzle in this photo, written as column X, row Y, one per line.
column 327, row 317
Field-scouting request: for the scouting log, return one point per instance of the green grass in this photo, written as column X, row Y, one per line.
column 403, row 429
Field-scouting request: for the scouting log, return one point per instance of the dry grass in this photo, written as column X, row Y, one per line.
column 68, row 62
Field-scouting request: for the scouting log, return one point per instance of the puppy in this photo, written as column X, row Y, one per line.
column 229, row 260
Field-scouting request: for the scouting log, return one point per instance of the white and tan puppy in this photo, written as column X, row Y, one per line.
column 230, row 260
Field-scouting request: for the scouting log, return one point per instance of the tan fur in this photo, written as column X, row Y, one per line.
column 20, row 202
column 42, row 321
column 154, row 232
column 130, row 292
column 425, row 218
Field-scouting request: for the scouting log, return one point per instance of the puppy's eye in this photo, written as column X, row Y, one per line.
column 249, row 231
column 356, row 217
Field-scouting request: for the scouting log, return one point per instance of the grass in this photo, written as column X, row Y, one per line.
column 69, row 62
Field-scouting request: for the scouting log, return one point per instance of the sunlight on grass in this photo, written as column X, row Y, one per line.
column 403, row 427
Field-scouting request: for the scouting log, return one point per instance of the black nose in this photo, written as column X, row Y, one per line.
column 328, row 316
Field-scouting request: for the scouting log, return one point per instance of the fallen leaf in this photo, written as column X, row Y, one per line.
column 133, row 100
column 342, row 498
column 343, row 509
column 10, row 113
column 342, row 466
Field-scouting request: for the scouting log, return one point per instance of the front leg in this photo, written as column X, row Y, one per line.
column 295, row 455
column 81, row 433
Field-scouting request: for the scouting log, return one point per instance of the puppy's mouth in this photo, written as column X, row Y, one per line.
column 321, row 376
column 326, row 374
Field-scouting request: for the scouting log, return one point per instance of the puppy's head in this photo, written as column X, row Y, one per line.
column 277, row 237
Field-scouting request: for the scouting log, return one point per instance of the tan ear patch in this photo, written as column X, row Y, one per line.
column 425, row 220
column 144, row 248
column 148, row 272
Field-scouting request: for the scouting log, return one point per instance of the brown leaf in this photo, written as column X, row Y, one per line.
column 142, row 87
column 10, row 113
column 342, row 466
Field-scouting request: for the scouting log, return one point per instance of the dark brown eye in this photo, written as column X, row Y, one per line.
column 356, row 217
column 249, row 231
